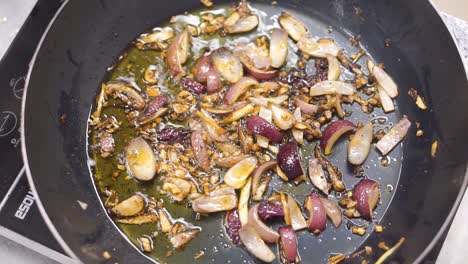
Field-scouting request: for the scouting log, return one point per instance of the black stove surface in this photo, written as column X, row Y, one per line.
column 18, row 211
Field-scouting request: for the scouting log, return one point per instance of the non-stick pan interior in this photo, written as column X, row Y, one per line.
column 88, row 36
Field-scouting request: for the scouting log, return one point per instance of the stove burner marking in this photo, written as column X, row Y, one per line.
column 18, row 86
column 8, row 121
column 25, row 205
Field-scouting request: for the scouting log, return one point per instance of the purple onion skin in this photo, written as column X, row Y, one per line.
column 232, row 224
column 262, row 127
column 192, row 86
column 267, row 210
column 154, row 105
column 172, row 134
column 289, row 243
column 367, row 194
column 202, row 68
column 289, row 160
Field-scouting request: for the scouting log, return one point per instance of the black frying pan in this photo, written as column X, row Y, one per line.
column 85, row 38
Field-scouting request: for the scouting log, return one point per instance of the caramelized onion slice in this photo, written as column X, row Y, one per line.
column 244, row 24
column 394, row 136
column 228, row 65
column 317, row 175
column 298, row 221
column 331, row 87
column 177, row 53
column 295, row 28
column 282, row 118
column 239, row 88
column 359, row 147
column 278, row 47
column 237, row 175
column 333, row 211
column 317, row 214
column 126, row 93
column 320, row 49
column 222, row 199
column 255, row 245
column 266, row 233
column 140, row 159
column 383, row 79
column 130, row 207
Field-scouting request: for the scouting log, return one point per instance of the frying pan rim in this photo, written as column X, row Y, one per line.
column 64, row 244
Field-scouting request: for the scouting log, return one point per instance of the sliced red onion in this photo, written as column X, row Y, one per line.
column 306, row 108
column 262, row 127
column 320, row 49
column 140, row 159
column 258, row 74
column 239, row 88
column 229, row 161
column 152, row 110
column 289, row 160
column 278, row 47
column 192, row 86
column 213, row 81
column 265, row 101
column 367, row 194
column 282, row 118
column 331, row 87
column 383, row 79
column 266, row 233
column 359, row 147
column 317, row 175
column 244, row 24
column 333, row 211
column 255, row 245
column 126, row 93
column 199, row 149
column 298, row 221
column 268, row 210
column 177, row 53
column 333, row 132
column 259, row 171
column 202, row 68
column 227, row 65
column 171, row 134
column 233, row 225
column 222, row 199
column 394, row 136
column 288, row 244
column 317, row 214
column 297, row 134
column 295, row 28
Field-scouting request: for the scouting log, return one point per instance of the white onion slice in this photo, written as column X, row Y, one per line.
column 237, row 175
column 359, row 147
column 298, row 221
column 278, row 47
column 243, row 206
column 331, row 87
column 266, row 233
column 255, row 245
column 320, row 48
column 334, row 70
column 295, row 28
column 282, row 118
column 383, row 79
column 394, row 136
column 140, row 159
column 264, row 101
column 386, row 100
